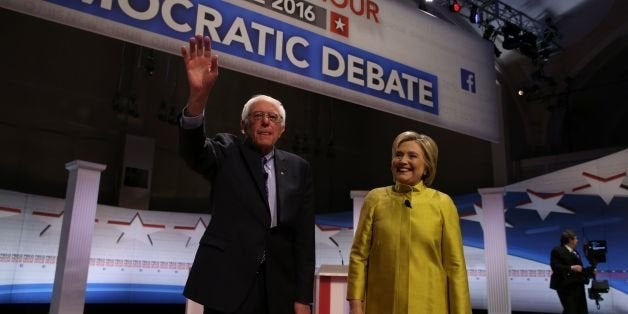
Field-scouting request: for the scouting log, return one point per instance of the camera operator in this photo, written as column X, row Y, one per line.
column 568, row 275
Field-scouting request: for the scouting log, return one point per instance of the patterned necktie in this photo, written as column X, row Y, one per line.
column 266, row 173
column 269, row 177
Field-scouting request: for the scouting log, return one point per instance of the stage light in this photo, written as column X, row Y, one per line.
column 530, row 89
column 512, row 37
column 475, row 17
column 455, row 6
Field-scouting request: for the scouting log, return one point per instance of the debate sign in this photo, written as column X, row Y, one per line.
column 376, row 54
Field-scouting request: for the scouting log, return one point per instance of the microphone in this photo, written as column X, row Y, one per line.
column 342, row 260
column 407, row 203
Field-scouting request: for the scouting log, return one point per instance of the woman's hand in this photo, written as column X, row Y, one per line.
column 356, row 307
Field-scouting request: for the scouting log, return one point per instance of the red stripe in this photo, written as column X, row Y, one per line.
column 183, row 228
column 592, row 176
column 15, row 210
column 547, row 195
column 581, row 187
column 324, row 295
column 38, row 213
column 113, row 222
column 153, row 226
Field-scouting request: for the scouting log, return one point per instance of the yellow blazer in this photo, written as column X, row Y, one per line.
column 407, row 256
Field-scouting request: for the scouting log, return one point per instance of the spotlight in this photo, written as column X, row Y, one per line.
column 475, row 17
column 455, row 6
column 530, row 89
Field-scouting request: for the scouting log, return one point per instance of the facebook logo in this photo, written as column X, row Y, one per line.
column 467, row 80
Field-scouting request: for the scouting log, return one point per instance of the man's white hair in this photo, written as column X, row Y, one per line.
column 257, row 98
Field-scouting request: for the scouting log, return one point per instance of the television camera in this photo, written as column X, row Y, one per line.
column 595, row 252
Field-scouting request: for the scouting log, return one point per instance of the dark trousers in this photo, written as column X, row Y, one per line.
column 573, row 300
column 255, row 302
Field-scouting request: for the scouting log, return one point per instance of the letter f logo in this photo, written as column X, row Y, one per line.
column 467, row 80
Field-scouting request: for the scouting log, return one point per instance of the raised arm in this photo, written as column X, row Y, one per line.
column 202, row 71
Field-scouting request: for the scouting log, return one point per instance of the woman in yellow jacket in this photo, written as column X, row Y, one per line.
column 407, row 255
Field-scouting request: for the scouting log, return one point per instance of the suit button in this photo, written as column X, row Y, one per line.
column 261, row 258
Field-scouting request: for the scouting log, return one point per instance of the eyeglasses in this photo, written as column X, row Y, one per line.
column 272, row 117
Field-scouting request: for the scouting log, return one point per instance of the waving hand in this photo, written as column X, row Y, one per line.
column 202, row 71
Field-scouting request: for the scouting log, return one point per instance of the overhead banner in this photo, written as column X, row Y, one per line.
column 379, row 54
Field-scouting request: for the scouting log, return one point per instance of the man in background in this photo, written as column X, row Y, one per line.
column 568, row 274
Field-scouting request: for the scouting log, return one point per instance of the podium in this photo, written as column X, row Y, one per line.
column 330, row 295
column 330, row 292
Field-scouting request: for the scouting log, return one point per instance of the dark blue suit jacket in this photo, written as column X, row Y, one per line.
column 562, row 277
column 239, row 232
column 568, row 284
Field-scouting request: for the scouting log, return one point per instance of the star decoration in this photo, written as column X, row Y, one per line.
column 136, row 229
column 339, row 24
column 50, row 219
column 193, row 234
column 323, row 236
column 605, row 187
column 544, row 205
column 479, row 217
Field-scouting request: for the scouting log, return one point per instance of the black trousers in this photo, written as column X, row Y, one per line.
column 255, row 302
column 573, row 299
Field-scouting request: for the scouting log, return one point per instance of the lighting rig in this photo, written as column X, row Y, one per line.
column 516, row 30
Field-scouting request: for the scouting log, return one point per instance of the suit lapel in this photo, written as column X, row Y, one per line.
column 253, row 161
column 572, row 256
column 281, row 177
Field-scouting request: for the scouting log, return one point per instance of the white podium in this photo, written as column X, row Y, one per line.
column 330, row 295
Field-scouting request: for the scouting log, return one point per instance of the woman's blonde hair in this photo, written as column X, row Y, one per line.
column 429, row 148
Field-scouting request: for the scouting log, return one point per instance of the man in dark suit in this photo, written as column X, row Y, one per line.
column 568, row 275
column 257, row 254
